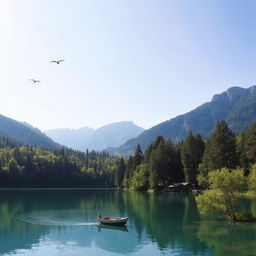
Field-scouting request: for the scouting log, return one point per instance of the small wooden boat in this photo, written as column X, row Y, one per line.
column 112, row 220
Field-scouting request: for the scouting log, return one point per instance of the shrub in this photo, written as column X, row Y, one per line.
column 245, row 216
column 224, row 194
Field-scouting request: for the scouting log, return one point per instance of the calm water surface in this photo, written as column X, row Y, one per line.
column 63, row 222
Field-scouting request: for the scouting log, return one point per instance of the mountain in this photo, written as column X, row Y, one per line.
column 111, row 135
column 73, row 138
column 31, row 127
column 8, row 142
column 24, row 133
column 236, row 105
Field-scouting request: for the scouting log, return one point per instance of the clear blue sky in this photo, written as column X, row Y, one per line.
column 138, row 60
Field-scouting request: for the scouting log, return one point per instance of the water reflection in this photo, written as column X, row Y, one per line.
column 158, row 222
column 110, row 227
column 228, row 239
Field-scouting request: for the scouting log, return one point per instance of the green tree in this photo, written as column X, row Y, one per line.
column 148, row 153
column 251, row 144
column 202, row 177
column 153, row 167
column 160, row 166
column 140, row 179
column 173, row 169
column 224, row 194
column 138, row 157
column 191, row 155
column 252, row 179
column 220, row 150
column 164, row 164
column 241, row 148
column 156, row 163
column 158, row 140
column 128, row 172
column 14, row 172
column 119, row 173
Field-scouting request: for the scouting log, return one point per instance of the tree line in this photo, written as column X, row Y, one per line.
column 27, row 166
column 190, row 160
column 161, row 164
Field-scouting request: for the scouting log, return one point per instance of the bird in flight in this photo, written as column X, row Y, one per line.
column 35, row 81
column 56, row 61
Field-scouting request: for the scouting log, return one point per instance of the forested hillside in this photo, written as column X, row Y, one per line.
column 162, row 163
column 237, row 106
column 27, row 166
column 191, row 160
column 7, row 142
column 24, row 133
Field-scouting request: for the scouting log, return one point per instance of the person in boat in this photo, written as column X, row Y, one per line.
column 99, row 216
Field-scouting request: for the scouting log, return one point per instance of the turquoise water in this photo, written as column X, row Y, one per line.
column 63, row 222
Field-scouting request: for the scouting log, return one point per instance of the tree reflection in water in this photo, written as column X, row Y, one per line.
column 169, row 221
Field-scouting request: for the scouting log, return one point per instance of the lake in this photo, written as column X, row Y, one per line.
column 63, row 222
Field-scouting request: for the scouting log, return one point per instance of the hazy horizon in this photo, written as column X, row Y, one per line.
column 144, row 61
column 91, row 127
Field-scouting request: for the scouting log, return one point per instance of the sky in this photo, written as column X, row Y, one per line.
column 144, row 61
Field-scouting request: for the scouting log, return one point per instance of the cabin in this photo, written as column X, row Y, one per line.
column 181, row 187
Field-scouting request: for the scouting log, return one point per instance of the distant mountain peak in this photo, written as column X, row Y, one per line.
column 252, row 89
column 231, row 94
column 110, row 135
column 120, row 123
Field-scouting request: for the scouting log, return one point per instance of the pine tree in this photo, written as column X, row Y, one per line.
column 251, row 144
column 158, row 140
column 148, row 153
column 241, row 148
column 191, row 154
column 153, row 168
column 138, row 157
column 119, row 173
column 220, row 150
column 164, row 165
column 128, row 172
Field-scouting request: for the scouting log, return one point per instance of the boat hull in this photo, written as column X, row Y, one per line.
column 113, row 221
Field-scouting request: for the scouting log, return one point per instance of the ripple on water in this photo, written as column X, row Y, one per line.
column 54, row 220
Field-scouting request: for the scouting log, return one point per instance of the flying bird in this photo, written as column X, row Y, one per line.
column 35, row 81
column 56, row 61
